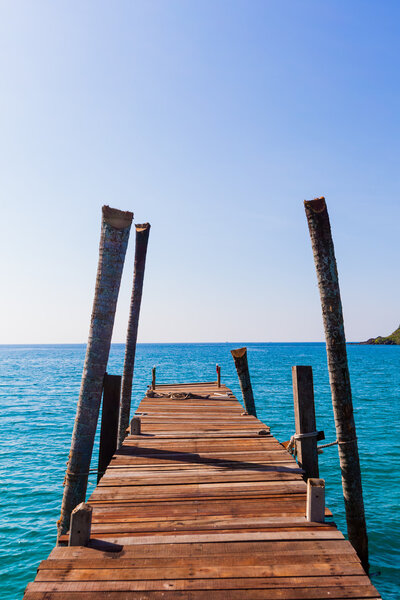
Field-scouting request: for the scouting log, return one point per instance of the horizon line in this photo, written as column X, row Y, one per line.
column 167, row 343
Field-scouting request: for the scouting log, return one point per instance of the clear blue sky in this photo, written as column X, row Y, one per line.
column 213, row 120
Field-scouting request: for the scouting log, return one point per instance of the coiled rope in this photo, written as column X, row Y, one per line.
column 175, row 395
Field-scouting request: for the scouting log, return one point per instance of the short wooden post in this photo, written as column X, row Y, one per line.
column 304, row 413
column 153, row 378
column 81, row 523
column 339, row 377
column 115, row 229
column 218, row 376
column 135, row 426
column 142, row 238
column 242, row 368
column 109, row 422
column 315, row 510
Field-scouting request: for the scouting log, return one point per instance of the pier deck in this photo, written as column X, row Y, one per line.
column 202, row 506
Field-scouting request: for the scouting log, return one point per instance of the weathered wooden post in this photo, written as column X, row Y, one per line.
column 81, row 523
column 135, row 426
column 315, row 508
column 242, row 368
column 218, row 376
column 113, row 243
column 109, row 421
column 328, row 283
column 153, row 378
column 142, row 238
column 304, row 414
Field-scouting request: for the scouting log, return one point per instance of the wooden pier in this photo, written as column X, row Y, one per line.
column 203, row 504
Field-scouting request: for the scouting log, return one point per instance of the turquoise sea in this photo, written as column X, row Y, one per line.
column 39, row 387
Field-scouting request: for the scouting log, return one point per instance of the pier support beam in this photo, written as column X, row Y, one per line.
column 328, row 283
column 304, row 414
column 142, row 238
column 113, row 243
column 218, row 376
column 242, row 368
column 109, row 421
column 153, row 378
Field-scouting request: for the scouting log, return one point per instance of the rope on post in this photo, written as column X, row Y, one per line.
column 291, row 448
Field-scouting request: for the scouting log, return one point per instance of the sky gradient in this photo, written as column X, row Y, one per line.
column 212, row 120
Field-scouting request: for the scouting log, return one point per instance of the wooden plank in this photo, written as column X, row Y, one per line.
column 135, row 455
column 268, row 508
column 322, row 571
column 239, row 488
column 199, row 444
column 205, row 434
column 160, row 468
column 283, row 594
column 210, row 523
column 216, row 548
column 124, row 479
column 182, row 586
column 256, row 558
column 309, row 534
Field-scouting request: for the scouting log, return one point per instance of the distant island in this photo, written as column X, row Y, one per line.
column 392, row 339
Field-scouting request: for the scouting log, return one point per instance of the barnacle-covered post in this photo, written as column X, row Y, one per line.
column 115, row 229
column 328, row 283
column 142, row 238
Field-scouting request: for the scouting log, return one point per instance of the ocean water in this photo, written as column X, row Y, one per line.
column 39, row 387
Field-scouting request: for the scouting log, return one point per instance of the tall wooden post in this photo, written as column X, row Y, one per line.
column 304, row 413
column 142, row 238
column 242, row 368
column 328, row 283
column 113, row 243
column 153, row 378
column 109, row 422
column 218, row 376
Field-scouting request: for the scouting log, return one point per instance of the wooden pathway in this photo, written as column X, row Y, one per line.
column 205, row 504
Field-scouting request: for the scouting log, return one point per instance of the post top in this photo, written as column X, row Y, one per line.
column 317, row 205
column 119, row 219
column 142, row 226
column 239, row 352
column 82, row 507
column 315, row 482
